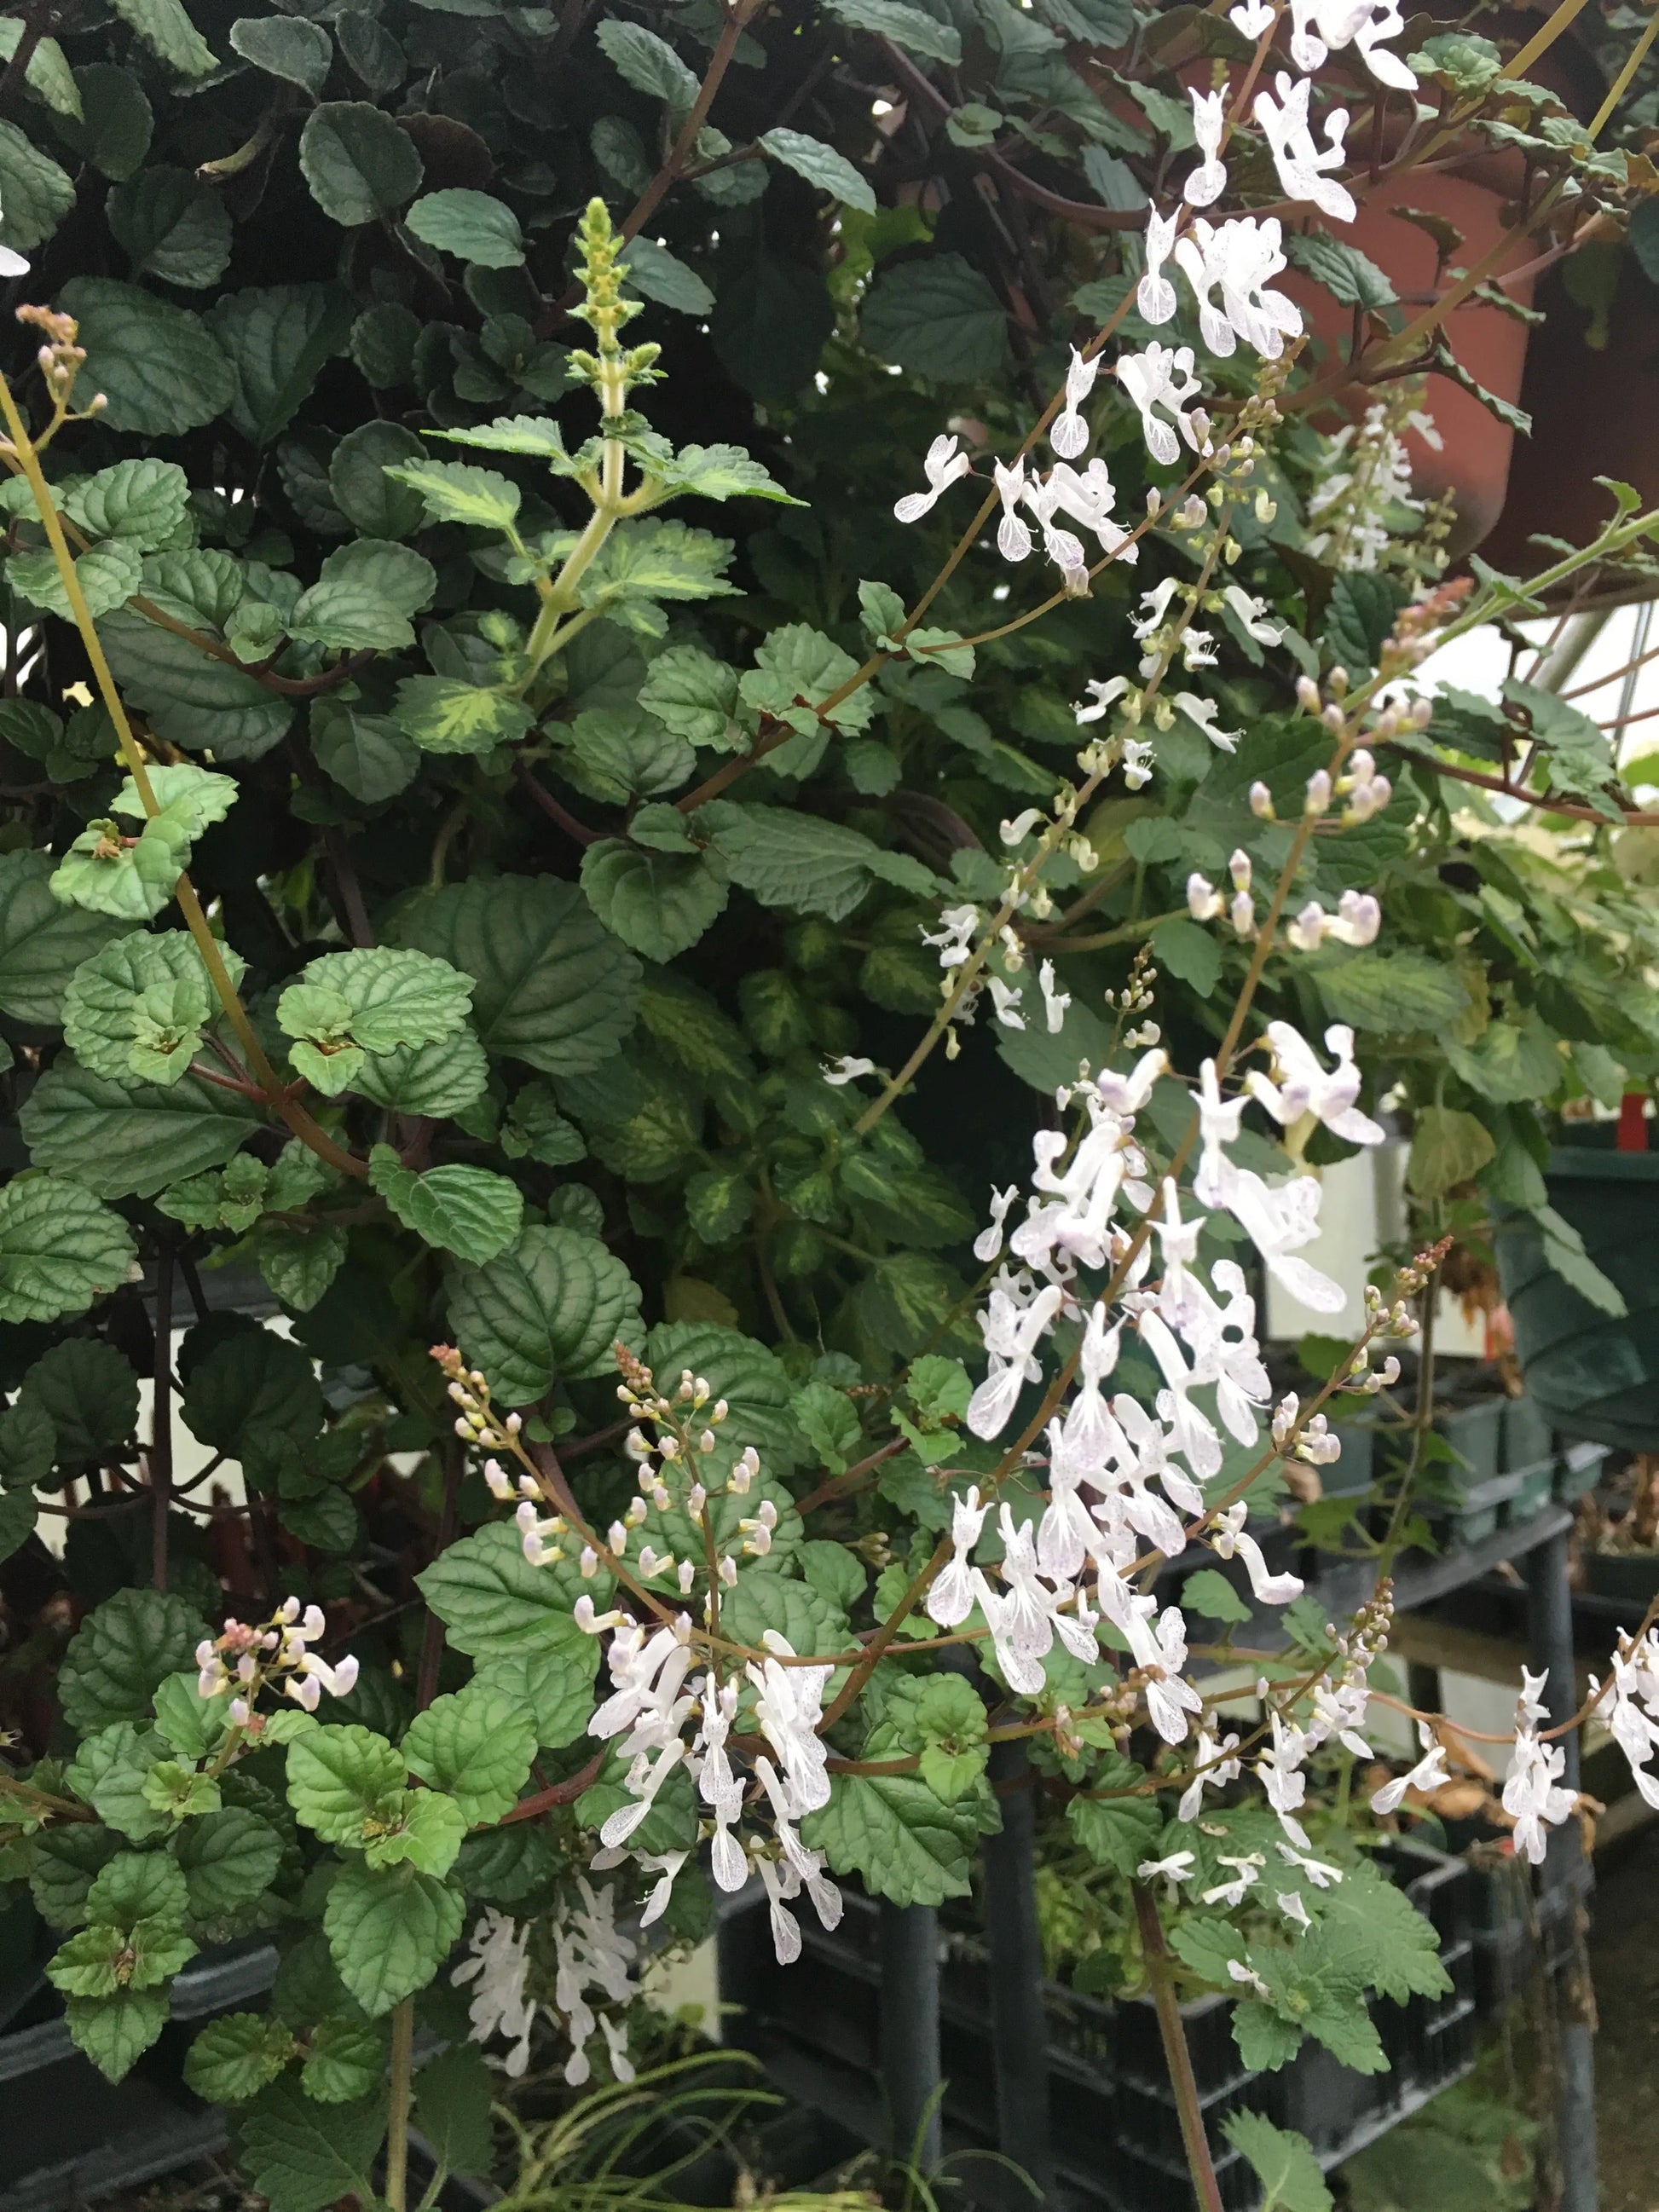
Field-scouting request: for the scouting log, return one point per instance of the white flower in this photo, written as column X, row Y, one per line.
column 1355, row 921
column 1137, row 763
column 1163, row 1652
column 498, row 1961
column 1175, row 1869
column 846, row 1069
column 1087, row 496
column 1154, row 295
column 1533, row 1793
column 1232, row 1539
column 1247, row 1977
column 1247, row 1871
column 1215, row 1769
column 942, row 465
column 1322, row 25
column 1203, row 712
column 955, row 1587
column 1064, row 550
column 1304, row 1087
column 1162, row 377
column 1055, row 1000
column 954, row 935
column 1005, row 1000
column 1302, row 169
column 789, row 1708
column 1104, row 693
column 1318, row 1873
column 12, row 264
column 1070, row 434
column 1290, row 1903
column 1252, row 617
column 1429, row 1773
column 1010, row 1338
column 1015, row 832
column 1203, row 900
column 1013, row 539
column 1252, row 17
column 1240, row 257
column 988, row 1243
column 1209, row 180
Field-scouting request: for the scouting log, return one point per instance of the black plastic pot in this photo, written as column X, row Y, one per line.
column 1592, row 1375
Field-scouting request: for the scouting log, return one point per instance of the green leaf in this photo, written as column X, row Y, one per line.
column 658, row 275
column 277, row 337
column 178, row 1791
column 798, row 669
column 1115, row 1831
column 63, row 1865
column 47, row 71
column 660, row 904
column 693, row 696
column 137, row 1886
column 913, row 28
column 123, row 1143
column 455, row 491
column 1283, row 2163
column 256, row 1398
column 1361, row 612
column 122, row 1654
column 452, row 2094
column 426, row 1833
column 432, row 1079
column 344, row 1781
column 552, row 1307
column 892, row 1830
column 347, row 2060
column 102, row 1959
column 442, row 715
column 1352, row 280
column 285, row 47
column 389, row 1932
column 616, row 754
column 167, row 30
column 303, row 2155
column 1389, row 993
column 144, row 501
column 158, row 365
column 1189, row 952
column 715, row 472
column 190, row 700
column 108, row 576
column 1447, row 1148
column 821, row 165
column 109, row 1771
column 362, row 481
column 476, row 1745
column 367, row 755
column 112, row 1014
column 35, row 194
column 470, row 1211
column 19, row 1510
column 556, row 1687
column 89, row 1393
column 364, row 597
column 234, row 2058
column 772, row 318
column 59, row 1249
column 797, row 861
column 937, row 318
column 365, row 1001
column 359, row 165
column 42, row 941
column 115, row 2032
column 760, row 1600
column 496, row 1606
column 173, row 226
column 1564, row 1248
column 228, row 1859
column 116, row 124
column 643, row 562
column 648, row 63
column 474, row 227
column 553, row 988
column 1210, row 1594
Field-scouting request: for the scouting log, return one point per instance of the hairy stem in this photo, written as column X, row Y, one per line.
column 397, row 2098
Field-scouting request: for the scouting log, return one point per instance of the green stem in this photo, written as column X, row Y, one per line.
column 396, row 2105
column 190, row 906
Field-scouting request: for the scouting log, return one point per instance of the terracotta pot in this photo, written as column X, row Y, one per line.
column 1472, row 459
column 1594, row 412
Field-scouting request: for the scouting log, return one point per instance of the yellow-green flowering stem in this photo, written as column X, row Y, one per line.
column 132, row 755
column 561, row 597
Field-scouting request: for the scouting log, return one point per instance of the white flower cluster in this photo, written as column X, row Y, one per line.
column 1143, row 1470
column 242, row 1660
column 1632, row 1711
column 1533, row 1793
column 1364, row 471
column 665, row 1717
column 593, row 1957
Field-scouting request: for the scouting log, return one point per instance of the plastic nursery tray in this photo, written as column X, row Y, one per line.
column 69, row 2136
column 1115, row 2129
